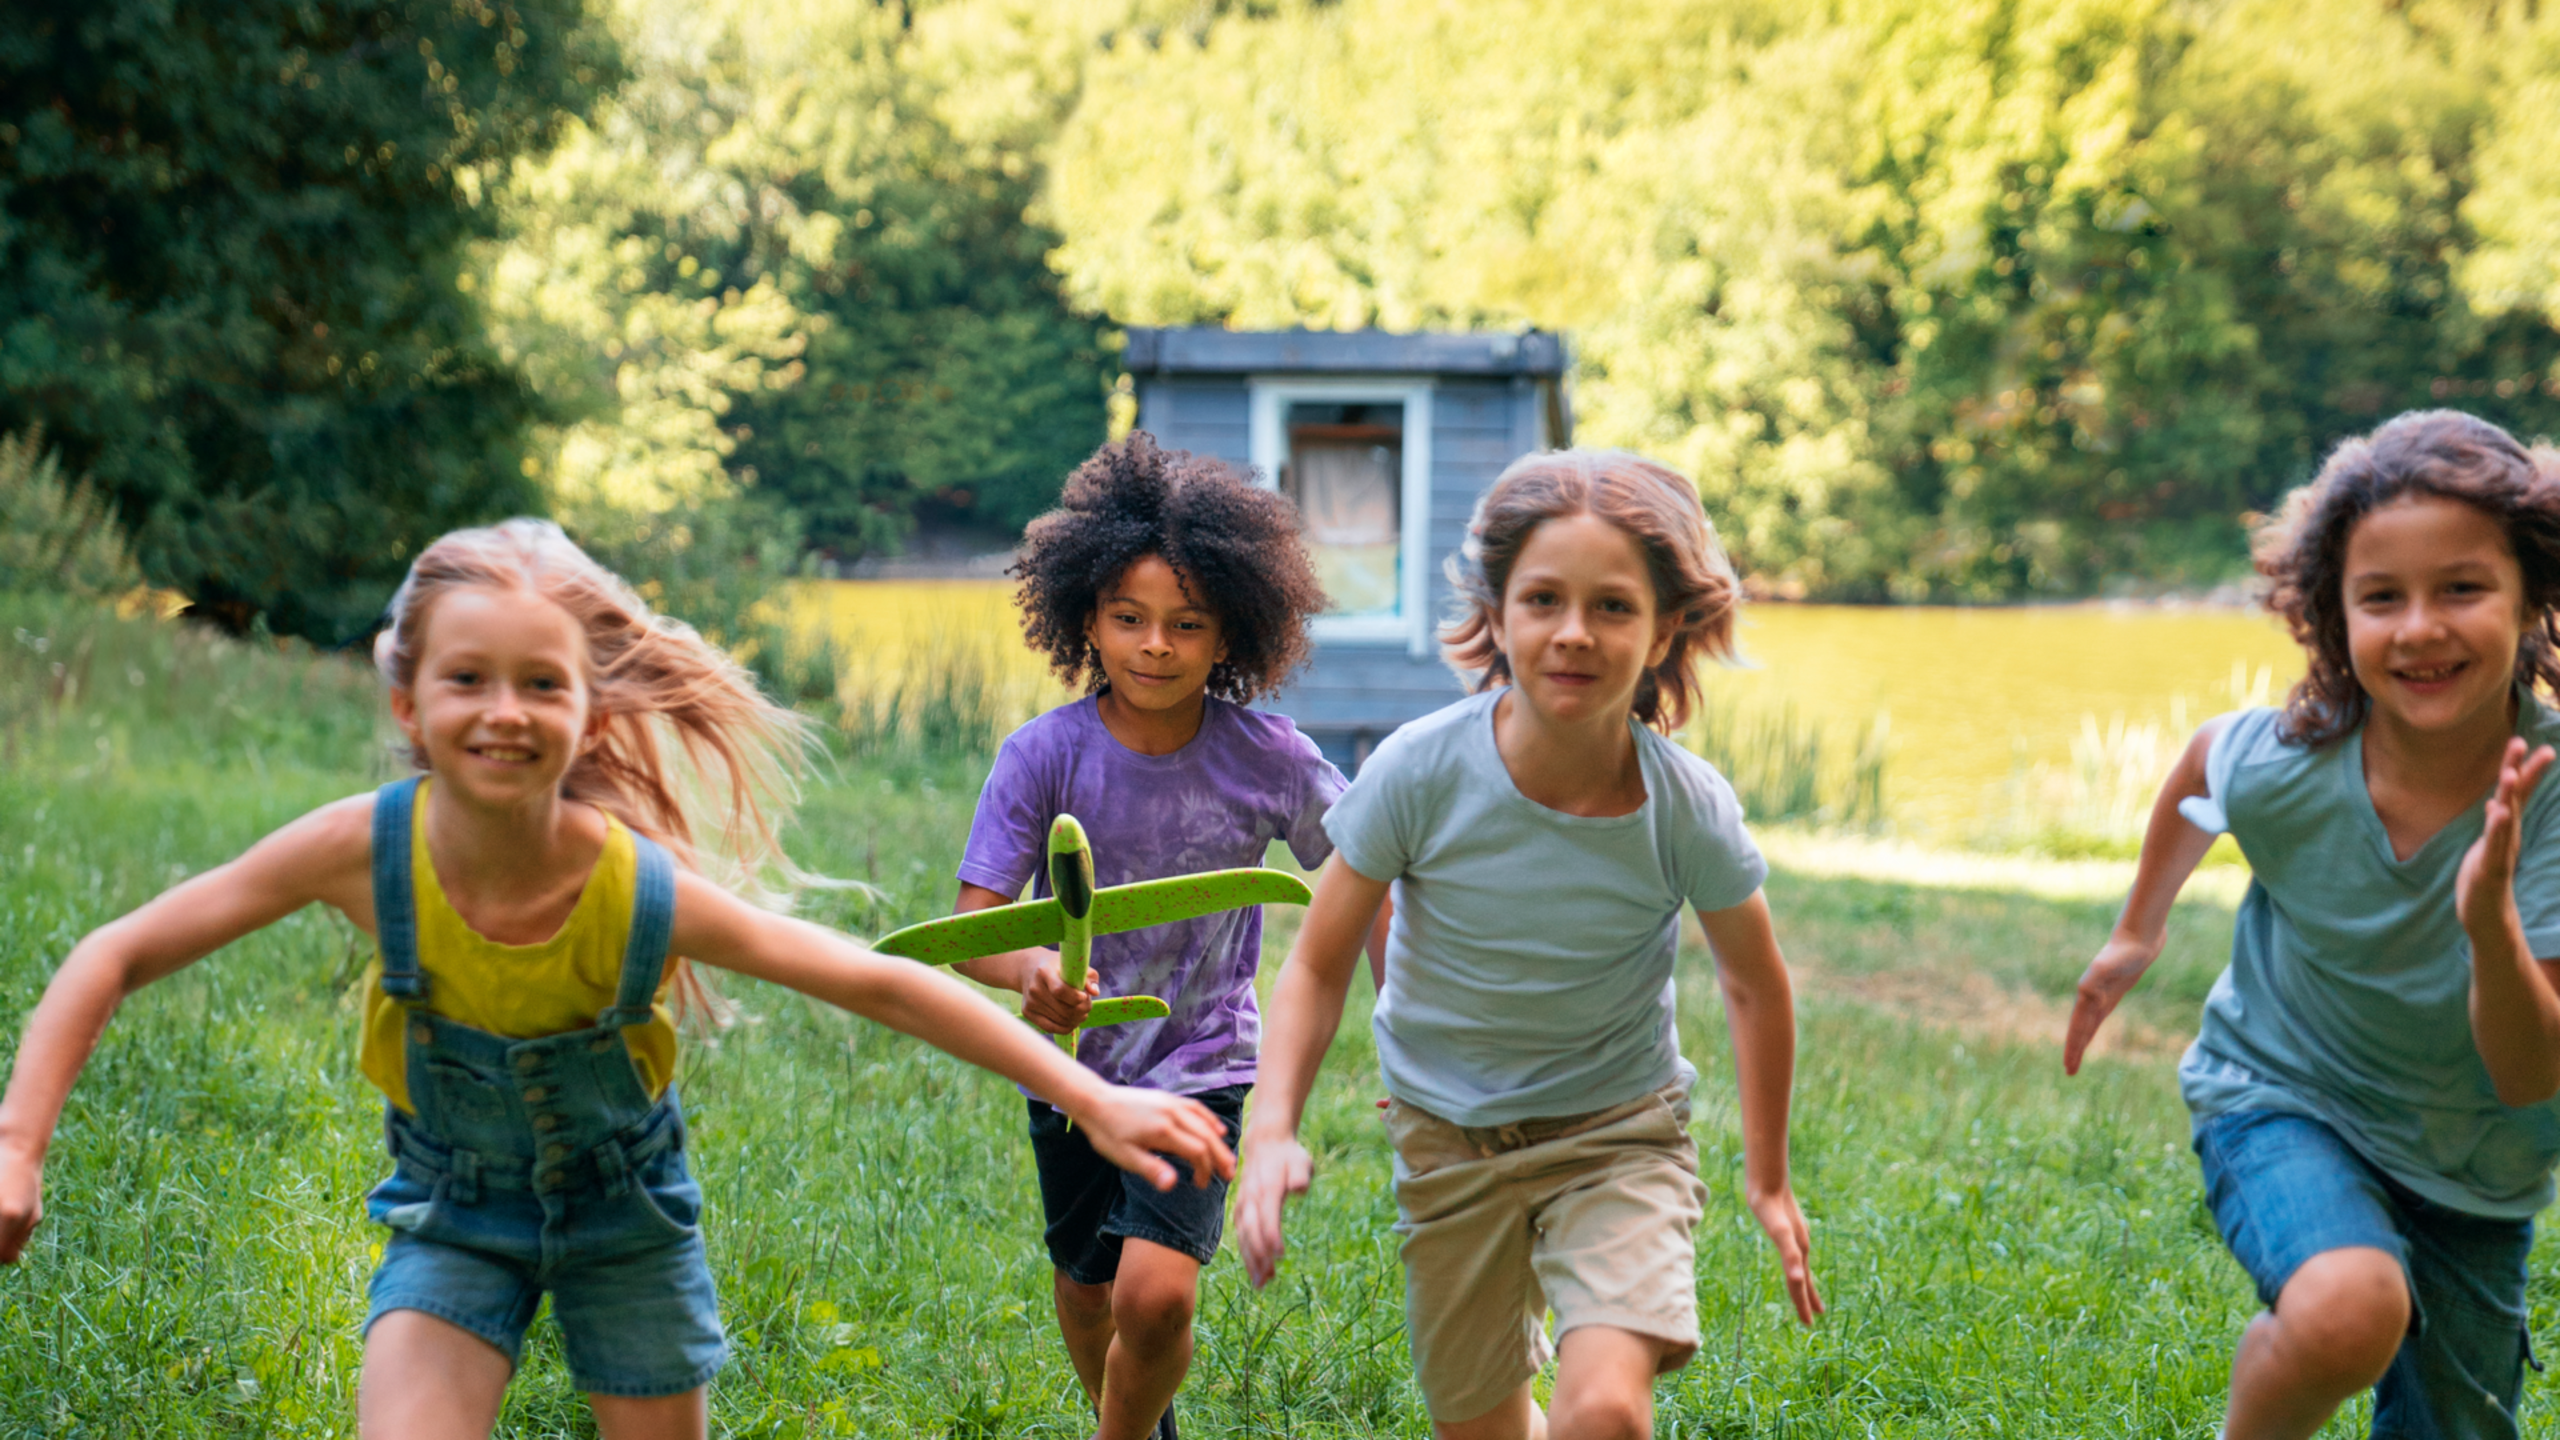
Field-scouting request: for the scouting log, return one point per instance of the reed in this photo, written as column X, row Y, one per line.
column 1785, row 769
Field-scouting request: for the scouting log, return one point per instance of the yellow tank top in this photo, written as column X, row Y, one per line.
column 519, row 991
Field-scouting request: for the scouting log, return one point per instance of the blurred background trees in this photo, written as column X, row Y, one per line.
column 1967, row 302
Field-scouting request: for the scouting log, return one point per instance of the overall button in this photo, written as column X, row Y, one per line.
column 555, row 1154
column 601, row 1044
column 546, row 1123
column 554, row 1179
column 420, row 1034
column 536, row 1094
column 528, row 1060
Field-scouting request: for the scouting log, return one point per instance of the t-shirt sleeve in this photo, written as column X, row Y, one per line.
column 1714, row 860
column 1319, row 786
column 1010, row 832
column 2211, row 811
column 2538, row 874
column 1371, row 824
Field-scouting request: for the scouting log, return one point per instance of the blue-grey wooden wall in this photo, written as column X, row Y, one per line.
column 1353, row 693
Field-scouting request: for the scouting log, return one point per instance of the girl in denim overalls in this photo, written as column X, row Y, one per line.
column 529, row 893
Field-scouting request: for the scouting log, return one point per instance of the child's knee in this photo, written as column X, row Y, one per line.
column 2345, row 1313
column 1154, row 1308
column 1087, row 1304
column 1601, row 1413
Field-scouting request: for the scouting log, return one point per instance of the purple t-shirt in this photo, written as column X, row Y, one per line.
column 1246, row 779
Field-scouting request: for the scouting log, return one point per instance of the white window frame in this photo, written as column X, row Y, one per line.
column 1269, row 441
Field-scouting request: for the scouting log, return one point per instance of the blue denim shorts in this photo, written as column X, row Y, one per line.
column 1092, row 1205
column 2286, row 1187
column 629, row 1283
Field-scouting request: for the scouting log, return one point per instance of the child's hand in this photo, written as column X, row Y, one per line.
column 21, row 1201
column 2102, row 986
column 2484, row 889
column 1050, row 1003
column 1778, row 1214
column 1138, row 1130
column 1275, row 1168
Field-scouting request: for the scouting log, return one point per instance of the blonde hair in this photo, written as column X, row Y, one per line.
column 1692, row 580
column 715, row 796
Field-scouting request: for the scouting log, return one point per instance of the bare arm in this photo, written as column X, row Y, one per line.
column 2172, row 847
column 1760, row 1011
column 2515, row 1015
column 1047, row 1000
column 325, row 855
column 1306, row 1009
column 1126, row 1125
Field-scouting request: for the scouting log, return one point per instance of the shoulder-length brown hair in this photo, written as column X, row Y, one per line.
column 2302, row 548
column 1692, row 580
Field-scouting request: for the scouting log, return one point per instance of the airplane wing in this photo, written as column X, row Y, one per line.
column 980, row 932
column 1184, row 897
column 1121, row 1008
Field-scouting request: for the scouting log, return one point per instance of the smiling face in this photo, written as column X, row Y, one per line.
column 1157, row 643
column 500, row 704
column 1579, row 623
column 2435, row 607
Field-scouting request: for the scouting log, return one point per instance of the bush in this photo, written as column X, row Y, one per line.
column 56, row 536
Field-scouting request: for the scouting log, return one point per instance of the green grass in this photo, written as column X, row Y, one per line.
column 2006, row 1253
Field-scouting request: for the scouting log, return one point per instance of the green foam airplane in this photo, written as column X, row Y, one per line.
column 1076, row 912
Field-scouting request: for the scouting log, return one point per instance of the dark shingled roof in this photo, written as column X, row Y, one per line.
column 1209, row 350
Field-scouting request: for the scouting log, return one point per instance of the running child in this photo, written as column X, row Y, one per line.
column 1173, row 590
column 2371, row 1082
column 1540, row 839
column 529, row 890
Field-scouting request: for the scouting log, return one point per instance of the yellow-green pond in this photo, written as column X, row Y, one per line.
column 1994, row 720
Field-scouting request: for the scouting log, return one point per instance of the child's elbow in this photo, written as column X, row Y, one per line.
column 2518, row 1091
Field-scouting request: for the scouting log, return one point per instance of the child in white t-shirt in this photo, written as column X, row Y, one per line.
column 1540, row 843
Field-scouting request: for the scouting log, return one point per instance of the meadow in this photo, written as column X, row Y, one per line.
column 2006, row 1252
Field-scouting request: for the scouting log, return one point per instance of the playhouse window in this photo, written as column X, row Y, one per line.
column 1344, row 467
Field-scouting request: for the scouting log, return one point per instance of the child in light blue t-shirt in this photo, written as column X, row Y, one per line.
column 1541, row 839
column 2373, row 1078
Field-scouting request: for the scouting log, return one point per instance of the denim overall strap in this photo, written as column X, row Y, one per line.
column 395, row 903
column 653, row 923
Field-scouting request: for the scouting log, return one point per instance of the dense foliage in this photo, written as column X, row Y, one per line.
column 229, row 241
column 781, row 258
column 1935, row 301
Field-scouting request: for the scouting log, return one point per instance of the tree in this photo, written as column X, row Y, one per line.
column 229, row 243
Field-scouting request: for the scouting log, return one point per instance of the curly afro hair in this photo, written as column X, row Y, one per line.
column 1233, row 544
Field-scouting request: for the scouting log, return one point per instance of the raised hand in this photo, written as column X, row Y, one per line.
column 2484, row 888
column 1141, row 1130
column 2106, row 982
column 1050, row 1003
column 1778, row 1214
column 1276, row 1167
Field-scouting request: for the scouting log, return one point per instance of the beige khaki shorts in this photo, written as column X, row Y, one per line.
column 1591, row 1216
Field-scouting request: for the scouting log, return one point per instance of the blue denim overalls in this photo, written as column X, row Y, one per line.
column 543, row 1164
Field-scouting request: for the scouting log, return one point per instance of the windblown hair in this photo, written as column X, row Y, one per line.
column 1692, row 580
column 691, row 753
column 1234, row 545
column 2302, row 548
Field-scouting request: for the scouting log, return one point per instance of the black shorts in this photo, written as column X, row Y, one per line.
column 1093, row 1205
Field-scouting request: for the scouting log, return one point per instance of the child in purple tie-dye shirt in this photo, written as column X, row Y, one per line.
column 1173, row 589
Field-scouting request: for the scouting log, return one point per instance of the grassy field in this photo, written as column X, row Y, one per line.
column 2006, row 1253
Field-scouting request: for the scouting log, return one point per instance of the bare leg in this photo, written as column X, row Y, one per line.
column 2333, row 1332
column 1604, row 1384
column 1152, row 1301
column 661, row 1417
column 1084, row 1318
column 1516, row 1418
column 428, row 1379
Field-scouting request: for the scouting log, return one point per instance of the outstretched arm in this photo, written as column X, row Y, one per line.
column 2172, row 847
column 1127, row 1126
column 1306, row 1008
column 322, row 856
column 2515, row 1016
column 1760, row 1011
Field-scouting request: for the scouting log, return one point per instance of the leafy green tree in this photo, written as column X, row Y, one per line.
column 772, row 262
column 1935, row 302
column 229, row 241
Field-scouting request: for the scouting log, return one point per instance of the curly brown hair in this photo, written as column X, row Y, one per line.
column 1233, row 544
column 1692, row 579
column 2302, row 548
